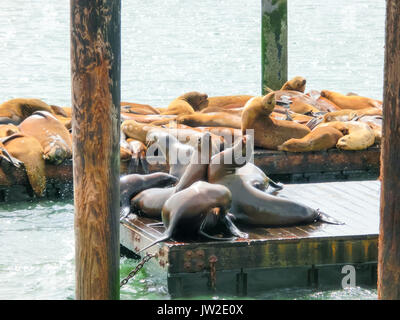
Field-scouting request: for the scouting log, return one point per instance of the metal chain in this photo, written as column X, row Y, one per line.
column 137, row 269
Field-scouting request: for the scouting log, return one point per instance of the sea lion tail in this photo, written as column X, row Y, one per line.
column 323, row 217
column 164, row 237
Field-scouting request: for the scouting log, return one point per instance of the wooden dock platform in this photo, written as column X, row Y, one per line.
column 286, row 167
column 302, row 256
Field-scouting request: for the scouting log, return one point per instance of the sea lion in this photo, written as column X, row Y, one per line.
column 138, row 108
column 150, row 202
column 318, row 139
column 52, row 135
column 133, row 184
column 8, row 130
column 228, row 102
column 14, row 111
column 357, row 135
column 269, row 133
column 218, row 119
column 197, row 168
column 295, row 84
column 187, row 104
column 299, row 106
column 176, row 154
column 251, row 204
column 29, row 151
column 349, row 114
column 233, row 111
column 191, row 213
column 350, row 102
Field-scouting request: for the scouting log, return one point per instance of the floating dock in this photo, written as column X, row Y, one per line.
column 286, row 167
column 303, row 256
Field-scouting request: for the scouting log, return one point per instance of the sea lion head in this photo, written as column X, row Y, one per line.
column 326, row 94
column 268, row 102
column 197, row 100
column 295, row 84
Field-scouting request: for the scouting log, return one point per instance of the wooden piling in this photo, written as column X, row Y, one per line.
column 274, row 44
column 389, row 237
column 96, row 73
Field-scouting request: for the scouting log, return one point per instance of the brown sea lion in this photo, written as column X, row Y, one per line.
column 228, row 102
column 357, row 135
column 295, row 84
column 52, row 135
column 234, row 111
column 375, row 123
column 299, row 106
column 133, row 184
column 191, row 213
column 350, row 102
column 8, row 130
column 269, row 133
column 219, row 119
column 251, row 203
column 28, row 150
column 187, row 104
column 14, row 111
column 348, row 114
column 138, row 108
column 317, row 140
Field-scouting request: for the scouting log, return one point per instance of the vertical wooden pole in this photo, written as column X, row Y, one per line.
column 96, row 74
column 274, row 44
column 389, row 236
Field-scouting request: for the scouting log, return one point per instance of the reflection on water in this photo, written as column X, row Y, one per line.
column 169, row 47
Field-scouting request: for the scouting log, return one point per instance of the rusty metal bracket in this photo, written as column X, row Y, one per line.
column 213, row 272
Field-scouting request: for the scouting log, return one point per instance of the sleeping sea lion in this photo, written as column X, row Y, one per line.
column 357, row 135
column 195, row 211
column 375, row 123
column 133, row 184
column 269, row 133
column 29, row 151
column 318, row 139
column 218, row 119
column 52, row 135
column 349, row 114
column 295, row 84
column 138, row 108
column 228, row 102
column 14, row 111
column 186, row 104
column 150, row 202
column 350, row 102
column 251, row 204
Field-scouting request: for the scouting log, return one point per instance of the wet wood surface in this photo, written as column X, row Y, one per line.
column 389, row 239
column 356, row 204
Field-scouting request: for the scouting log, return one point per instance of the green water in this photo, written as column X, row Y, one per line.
column 168, row 47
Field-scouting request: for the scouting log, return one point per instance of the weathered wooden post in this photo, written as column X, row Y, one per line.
column 96, row 74
column 274, row 44
column 389, row 236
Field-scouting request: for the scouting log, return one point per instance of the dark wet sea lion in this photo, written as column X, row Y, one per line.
column 151, row 201
column 29, row 151
column 133, row 184
column 251, row 204
column 52, row 135
column 191, row 212
column 197, row 168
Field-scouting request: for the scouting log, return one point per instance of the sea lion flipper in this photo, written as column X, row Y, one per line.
column 36, row 176
column 133, row 165
column 233, row 229
column 166, row 236
column 206, row 235
column 276, row 185
column 323, row 217
column 144, row 164
column 6, row 156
